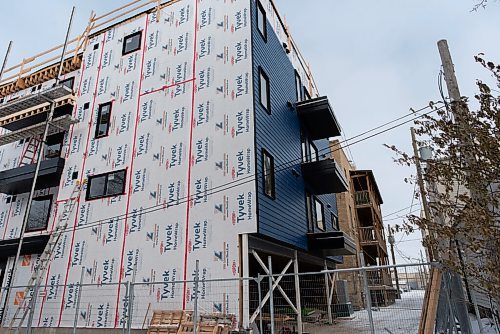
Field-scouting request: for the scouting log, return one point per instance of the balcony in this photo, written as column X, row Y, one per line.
column 19, row 180
column 331, row 243
column 317, row 117
column 368, row 235
column 363, row 197
column 324, row 177
column 31, row 245
column 371, row 236
column 379, row 277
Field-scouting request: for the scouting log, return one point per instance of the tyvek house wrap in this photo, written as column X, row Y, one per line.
column 185, row 96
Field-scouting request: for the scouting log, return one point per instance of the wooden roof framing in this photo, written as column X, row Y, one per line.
column 62, row 122
column 44, row 66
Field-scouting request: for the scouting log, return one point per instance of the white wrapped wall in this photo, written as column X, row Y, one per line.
column 182, row 124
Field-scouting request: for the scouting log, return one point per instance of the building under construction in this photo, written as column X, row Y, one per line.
column 172, row 134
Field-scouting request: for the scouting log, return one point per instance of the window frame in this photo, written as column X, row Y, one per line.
column 305, row 157
column 306, row 95
column 299, row 94
column 45, row 197
column 52, row 140
column 106, row 175
column 310, row 216
column 265, row 154
column 317, row 201
column 99, row 115
column 70, row 79
column 137, row 33
column 260, row 9
column 313, row 149
column 262, row 74
column 335, row 221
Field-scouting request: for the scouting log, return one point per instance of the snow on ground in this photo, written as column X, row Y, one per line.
column 488, row 325
column 402, row 317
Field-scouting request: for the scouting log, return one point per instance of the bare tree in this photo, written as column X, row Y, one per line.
column 463, row 184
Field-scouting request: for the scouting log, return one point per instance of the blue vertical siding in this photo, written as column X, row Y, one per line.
column 283, row 218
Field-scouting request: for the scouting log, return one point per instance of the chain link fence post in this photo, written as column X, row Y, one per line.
column 328, row 299
column 78, row 298
column 32, row 306
column 297, row 293
column 271, row 295
column 125, row 315
column 259, row 291
column 195, row 312
column 367, row 292
column 130, row 306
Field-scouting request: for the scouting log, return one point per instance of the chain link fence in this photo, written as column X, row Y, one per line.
column 318, row 302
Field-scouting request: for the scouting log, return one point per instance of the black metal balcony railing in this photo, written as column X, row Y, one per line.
column 331, row 243
column 317, row 116
column 19, row 180
column 324, row 177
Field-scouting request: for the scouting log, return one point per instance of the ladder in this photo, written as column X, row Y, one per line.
column 29, row 296
column 29, row 153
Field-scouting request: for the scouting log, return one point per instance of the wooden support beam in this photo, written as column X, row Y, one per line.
column 158, row 9
column 431, row 300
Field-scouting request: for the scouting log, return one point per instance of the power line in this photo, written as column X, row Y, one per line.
column 401, row 217
column 394, row 212
column 251, row 178
column 408, row 240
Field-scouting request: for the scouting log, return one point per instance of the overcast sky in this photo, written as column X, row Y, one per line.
column 373, row 59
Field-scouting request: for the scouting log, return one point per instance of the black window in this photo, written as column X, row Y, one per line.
column 264, row 97
column 132, row 43
column 268, row 174
column 69, row 82
column 53, row 145
column 261, row 21
column 38, row 217
column 106, row 185
column 103, row 119
column 319, row 215
column 335, row 222
column 298, row 87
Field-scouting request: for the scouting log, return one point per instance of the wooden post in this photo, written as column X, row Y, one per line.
column 158, row 8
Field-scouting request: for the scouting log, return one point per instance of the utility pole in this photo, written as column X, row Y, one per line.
column 421, row 186
column 459, row 110
column 391, row 241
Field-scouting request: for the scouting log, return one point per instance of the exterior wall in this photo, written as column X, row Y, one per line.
column 348, row 224
column 12, row 213
column 284, row 218
column 182, row 124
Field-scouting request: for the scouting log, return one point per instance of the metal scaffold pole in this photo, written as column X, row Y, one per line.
column 5, row 59
column 35, row 177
